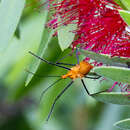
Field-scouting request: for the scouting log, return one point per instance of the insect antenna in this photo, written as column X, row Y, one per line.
column 41, row 76
column 70, row 54
column 48, row 88
column 77, row 57
column 48, row 61
column 60, row 94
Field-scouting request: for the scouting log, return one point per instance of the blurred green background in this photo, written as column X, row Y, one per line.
column 20, row 108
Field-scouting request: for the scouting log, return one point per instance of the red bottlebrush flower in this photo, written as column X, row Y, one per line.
column 100, row 27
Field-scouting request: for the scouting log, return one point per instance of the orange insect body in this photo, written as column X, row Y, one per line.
column 78, row 71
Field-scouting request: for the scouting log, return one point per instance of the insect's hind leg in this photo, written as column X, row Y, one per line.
column 88, row 91
column 60, row 94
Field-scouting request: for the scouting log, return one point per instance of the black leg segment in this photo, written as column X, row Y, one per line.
column 65, row 64
column 48, row 61
column 42, row 76
column 88, row 91
column 85, row 87
column 77, row 56
column 48, row 88
column 96, row 77
column 60, row 94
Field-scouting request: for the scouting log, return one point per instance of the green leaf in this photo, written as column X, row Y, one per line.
column 106, row 59
column 113, row 97
column 31, row 29
column 125, row 15
column 35, row 64
column 123, row 124
column 119, row 74
column 120, row 4
column 10, row 13
column 46, row 37
column 66, row 36
column 126, row 3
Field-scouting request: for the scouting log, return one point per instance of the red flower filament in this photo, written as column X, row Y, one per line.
column 100, row 27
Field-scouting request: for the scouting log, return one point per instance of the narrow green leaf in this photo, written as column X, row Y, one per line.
column 43, row 46
column 123, row 124
column 115, row 73
column 125, row 15
column 10, row 13
column 113, row 97
column 126, row 3
column 66, row 36
column 106, row 59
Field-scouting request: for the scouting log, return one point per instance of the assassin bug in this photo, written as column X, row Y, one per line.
column 79, row 70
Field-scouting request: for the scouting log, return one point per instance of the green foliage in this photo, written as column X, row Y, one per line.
column 123, row 124
column 119, row 2
column 112, row 72
column 126, row 3
column 106, row 59
column 9, row 20
column 46, row 36
column 23, row 30
column 66, row 36
column 126, row 16
column 125, row 13
column 113, row 97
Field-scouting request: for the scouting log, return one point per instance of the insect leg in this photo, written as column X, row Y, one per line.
column 42, row 76
column 64, row 58
column 48, row 88
column 65, row 64
column 93, row 77
column 48, row 61
column 85, row 87
column 77, row 56
column 98, row 92
column 70, row 54
column 60, row 94
column 88, row 91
